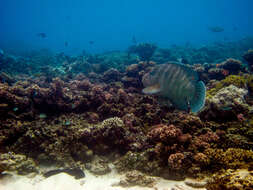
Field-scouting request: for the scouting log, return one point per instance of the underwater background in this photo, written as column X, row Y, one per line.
column 126, row 94
column 112, row 24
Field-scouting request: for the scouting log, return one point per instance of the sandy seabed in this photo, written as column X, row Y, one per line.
column 64, row 181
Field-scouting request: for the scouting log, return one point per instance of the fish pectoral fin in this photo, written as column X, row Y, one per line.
column 152, row 89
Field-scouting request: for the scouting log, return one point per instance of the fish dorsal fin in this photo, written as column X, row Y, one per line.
column 154, row 89
column 199, row 98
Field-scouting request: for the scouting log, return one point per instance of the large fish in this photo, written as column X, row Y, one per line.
column 177, row 83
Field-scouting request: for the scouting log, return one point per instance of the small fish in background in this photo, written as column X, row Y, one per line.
column 66, row 44
column 235, row 28
column 177, row 83
column 216, row 29
column 91, row 42
column 42, row 35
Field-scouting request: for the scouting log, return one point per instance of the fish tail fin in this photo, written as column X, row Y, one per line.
column 199, row 97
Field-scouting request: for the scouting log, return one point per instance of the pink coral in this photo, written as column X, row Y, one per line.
column 164, row 133
column 123, row 96
column 209, row 137
column 204, row 140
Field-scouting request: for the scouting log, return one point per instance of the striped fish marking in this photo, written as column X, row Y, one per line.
column 177, row 83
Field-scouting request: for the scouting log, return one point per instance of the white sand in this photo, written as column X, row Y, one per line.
column 63, row 181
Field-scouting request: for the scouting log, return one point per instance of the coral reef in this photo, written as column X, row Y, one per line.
column 227, row 99
column 134, row 178
column 236, row 80
column 88, row 111
column 232, row 158
column 231, row 66
column 98, row 166
column 196, row 183
column 17, row 163
column 229, row 96
column 231, row 179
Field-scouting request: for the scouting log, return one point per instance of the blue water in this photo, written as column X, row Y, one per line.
column 111, row 24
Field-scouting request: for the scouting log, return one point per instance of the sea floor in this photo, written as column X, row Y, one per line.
column 63, row 181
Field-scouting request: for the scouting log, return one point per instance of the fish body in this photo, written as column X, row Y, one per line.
column 177, row 83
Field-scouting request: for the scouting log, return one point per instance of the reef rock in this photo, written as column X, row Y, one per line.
column 98, row 166
column 231, row 66
column 227, row 103
column 134, row 178
column 229, row 96
column 17, row 162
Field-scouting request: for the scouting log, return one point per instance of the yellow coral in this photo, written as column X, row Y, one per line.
column 112, row 122
column 231, row 179
column 232, row 157
column 237, row 80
